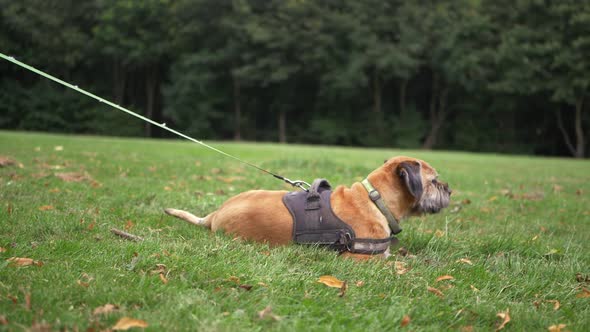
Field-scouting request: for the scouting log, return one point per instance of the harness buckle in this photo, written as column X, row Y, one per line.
column 374, row 195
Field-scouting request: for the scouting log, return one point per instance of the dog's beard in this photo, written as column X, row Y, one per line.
column 435, row 198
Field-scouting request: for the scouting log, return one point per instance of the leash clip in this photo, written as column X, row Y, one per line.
column 298, row 183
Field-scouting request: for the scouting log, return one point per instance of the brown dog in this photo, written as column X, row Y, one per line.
column 407, row 186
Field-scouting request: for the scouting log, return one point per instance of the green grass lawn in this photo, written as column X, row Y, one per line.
column 515, row 239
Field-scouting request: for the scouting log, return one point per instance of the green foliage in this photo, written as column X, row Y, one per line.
column 371, row 73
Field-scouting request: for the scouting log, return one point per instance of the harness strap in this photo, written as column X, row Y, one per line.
column 372, row 246
column 375, row 196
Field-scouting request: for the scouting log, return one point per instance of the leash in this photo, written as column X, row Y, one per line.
column 295, row 183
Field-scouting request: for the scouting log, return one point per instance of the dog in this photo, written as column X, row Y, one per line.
column 407, row 186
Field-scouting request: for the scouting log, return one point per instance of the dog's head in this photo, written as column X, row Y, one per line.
column 412, row 186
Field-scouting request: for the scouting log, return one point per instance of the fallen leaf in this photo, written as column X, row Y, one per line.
column 400, row 268
column 6, row 161
column 445, row 277
column 475, row 289
column 234, row 279
column 126, row 323
column 46, row 207
column 2, row 249
column 262, row 284
column 533, row 196
column 468, row 328
column 246, row 287
column 360, row 283
column 105, row 309
column 129, row 225
column 579, row 192
column 493, row 198
column 215, row 170
column 402, row 251
column 556, row 328
column 83, row 283
column 160, row 268
column 54, row 190
column 405, row 321
column 439, row 233
column 485, row 209
column 267, row 313
column 556, row 304
column 73, row 176
column 466, row 201
column 3, row 320
column 584, row 294
column 435, row 291
column 13, row 298
column 464, row 260
column 163, row 278
column 167, row 188
column 343, row 289
column 331, row 281
column 19, row 261
column 40, row 327
column 505, row 317
column 58, row 148
column 557, row 188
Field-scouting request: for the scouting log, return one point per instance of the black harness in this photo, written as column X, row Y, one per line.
column 314, row 222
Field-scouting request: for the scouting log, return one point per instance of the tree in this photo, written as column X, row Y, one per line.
column 136, row 37
column 543, row 51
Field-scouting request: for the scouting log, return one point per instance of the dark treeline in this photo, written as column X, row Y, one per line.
column 478, row 75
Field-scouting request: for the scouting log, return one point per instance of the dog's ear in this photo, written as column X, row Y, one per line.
column 410, row 174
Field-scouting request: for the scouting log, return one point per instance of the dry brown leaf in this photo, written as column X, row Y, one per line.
column 557, row 188
column 505, row 317
column 40, row 327
column 400, row 268
column 475, row 289
column 163, row 278
column 579, row 192
column 234, row 279
column 73, row 176
column 3, row 320
column 21, row 261
column 129, row 225
column 267, row 313
column 331, row 281
column 246, row 287
column 6, row 161
column 46, row 207
column 58, row 148
column 493, row 198
column 584, row 294
column 105, row 309
column 445, row 277
column 167, row 188
column 83, row 283
column 360, row 283
column 556, row 328
column 160, row 268
column 468, row 328
column 405, row 321
column 556, row 304
column 343, row 289
column 435, row 291
column 464, row 260
column 126, row 323
column 2, row 249
column 439, row 233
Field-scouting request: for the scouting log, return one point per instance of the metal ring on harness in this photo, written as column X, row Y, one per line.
column 298, row 183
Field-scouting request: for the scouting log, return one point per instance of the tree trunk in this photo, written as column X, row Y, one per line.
column 579, row 150
column 377, row 106
column 237, row 110
column 152, row 90
column 282, row 126
column 437, row 113
column 402, row 97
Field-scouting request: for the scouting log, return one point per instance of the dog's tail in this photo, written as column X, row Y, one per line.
column 187, row 216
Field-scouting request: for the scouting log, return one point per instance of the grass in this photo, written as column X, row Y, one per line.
column 522, row 222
